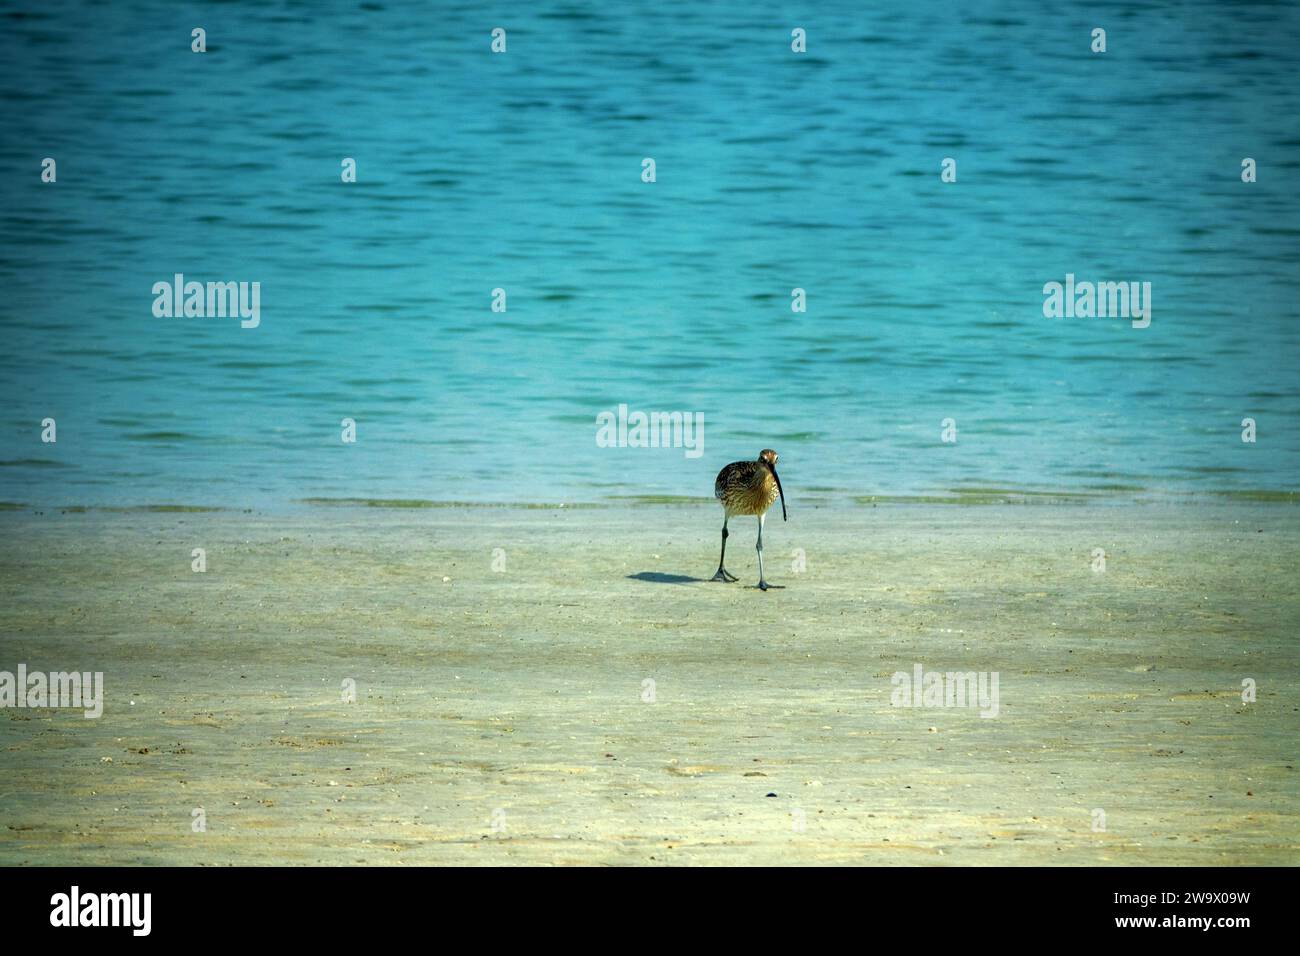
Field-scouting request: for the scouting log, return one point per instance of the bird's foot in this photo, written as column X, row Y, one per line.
column 763, row 586
column 723, row 576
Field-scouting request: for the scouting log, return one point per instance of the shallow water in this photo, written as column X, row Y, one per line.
column 523, row 171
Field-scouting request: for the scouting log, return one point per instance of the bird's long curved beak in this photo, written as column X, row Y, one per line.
column 780, row 492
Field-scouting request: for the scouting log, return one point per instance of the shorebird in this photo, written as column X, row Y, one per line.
column 748, row 488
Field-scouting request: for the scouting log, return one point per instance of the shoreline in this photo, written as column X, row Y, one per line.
column 978, row 496
column 500, row 659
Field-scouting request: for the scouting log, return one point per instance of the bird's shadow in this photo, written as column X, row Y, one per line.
column 658, row 577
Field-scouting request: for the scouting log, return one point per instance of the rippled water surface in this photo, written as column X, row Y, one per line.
column 523, row 171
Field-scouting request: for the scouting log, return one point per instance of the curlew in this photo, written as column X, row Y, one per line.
column 748, row 488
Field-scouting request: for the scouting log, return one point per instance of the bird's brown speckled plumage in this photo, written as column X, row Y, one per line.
column 745, row 488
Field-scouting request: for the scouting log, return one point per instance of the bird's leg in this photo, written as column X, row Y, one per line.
column 722, row 574
column 762, row 582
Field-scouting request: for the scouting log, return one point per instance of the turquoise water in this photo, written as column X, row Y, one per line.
column 522, row 171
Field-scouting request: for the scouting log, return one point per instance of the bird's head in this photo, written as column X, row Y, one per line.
column 768, row 457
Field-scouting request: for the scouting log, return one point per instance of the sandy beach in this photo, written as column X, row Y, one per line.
column 561, row 686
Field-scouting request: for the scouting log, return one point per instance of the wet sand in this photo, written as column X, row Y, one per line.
column 501, row 714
